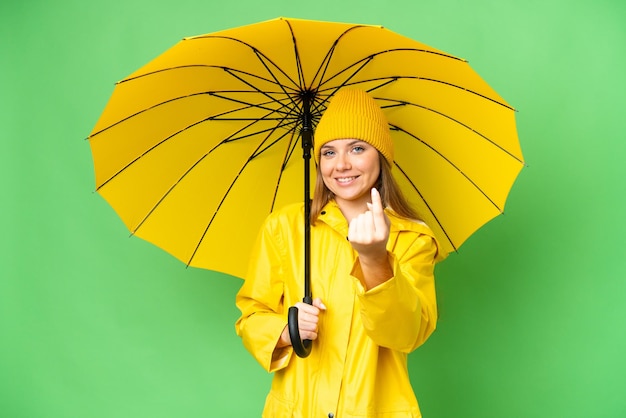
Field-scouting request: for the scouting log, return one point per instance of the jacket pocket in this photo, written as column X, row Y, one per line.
column 277, row 407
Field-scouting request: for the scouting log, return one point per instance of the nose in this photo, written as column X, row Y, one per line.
column 343, row 161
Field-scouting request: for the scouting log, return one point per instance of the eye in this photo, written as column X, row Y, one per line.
column 327, row 153
column 358, row 149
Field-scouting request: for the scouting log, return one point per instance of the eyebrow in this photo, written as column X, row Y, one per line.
column 356, row 141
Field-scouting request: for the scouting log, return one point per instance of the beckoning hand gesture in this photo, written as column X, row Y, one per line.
column 368, row 233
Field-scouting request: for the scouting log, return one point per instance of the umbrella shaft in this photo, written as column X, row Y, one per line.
column 307, row 145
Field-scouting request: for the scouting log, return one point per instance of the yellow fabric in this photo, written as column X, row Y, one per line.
column 357, row 366
column 353, row 114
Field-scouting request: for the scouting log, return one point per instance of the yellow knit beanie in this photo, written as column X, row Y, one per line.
column 354, row 114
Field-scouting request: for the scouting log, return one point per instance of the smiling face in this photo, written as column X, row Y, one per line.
column 350, row 168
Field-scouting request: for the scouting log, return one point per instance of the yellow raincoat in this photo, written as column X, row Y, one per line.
column 358, row 364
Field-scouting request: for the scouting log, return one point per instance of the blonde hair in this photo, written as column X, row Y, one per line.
column 390, row 193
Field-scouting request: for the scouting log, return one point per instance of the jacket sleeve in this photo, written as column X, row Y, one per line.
column 402, row 313
column 260, row 301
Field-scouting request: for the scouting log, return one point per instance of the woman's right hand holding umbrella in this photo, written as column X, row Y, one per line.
column 308, row 320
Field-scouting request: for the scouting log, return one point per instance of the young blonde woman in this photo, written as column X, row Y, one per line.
column 372, row 277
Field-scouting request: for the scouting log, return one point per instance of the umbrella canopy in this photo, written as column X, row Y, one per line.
column 197, row 147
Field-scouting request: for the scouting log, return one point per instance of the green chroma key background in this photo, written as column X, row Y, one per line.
column 533, row 312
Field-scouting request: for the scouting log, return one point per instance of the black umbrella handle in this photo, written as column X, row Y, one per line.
column 301, row 347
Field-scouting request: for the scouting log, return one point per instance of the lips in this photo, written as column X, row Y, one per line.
column 345, row 180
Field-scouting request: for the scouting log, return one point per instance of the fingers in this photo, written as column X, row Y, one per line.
column 308, row 318
column 368, row 232
column 377, row 203
column 308, row 309
column 317, row 302
column 361, row 228
column 378, row 212
column 371, row 226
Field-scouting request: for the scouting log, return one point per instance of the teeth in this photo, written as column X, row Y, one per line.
column 345, row 179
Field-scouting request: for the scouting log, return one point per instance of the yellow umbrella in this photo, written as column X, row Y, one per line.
column 198, row 146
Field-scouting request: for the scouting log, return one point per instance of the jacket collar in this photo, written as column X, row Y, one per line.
column 331, row 215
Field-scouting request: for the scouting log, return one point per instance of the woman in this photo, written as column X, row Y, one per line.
column 374, row 291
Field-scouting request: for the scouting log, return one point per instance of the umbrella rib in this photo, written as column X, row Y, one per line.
column 391, row 79
column 397, row 128
column 288, row 120
column 262, row 57
column 323, row 67
column 296, row 55
column 408, row 178
column 368, row 59
column 278, row 83
column 255, row 88
column 231, row 138
column 254, row 105
column 395, row 78
column 363, row 62
column 290, row 125
column 320, row 102
column 288, row 152
column 223, row 199
column 230, row 70
column 210, row 93
column 166, row 194
column 486, row 138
